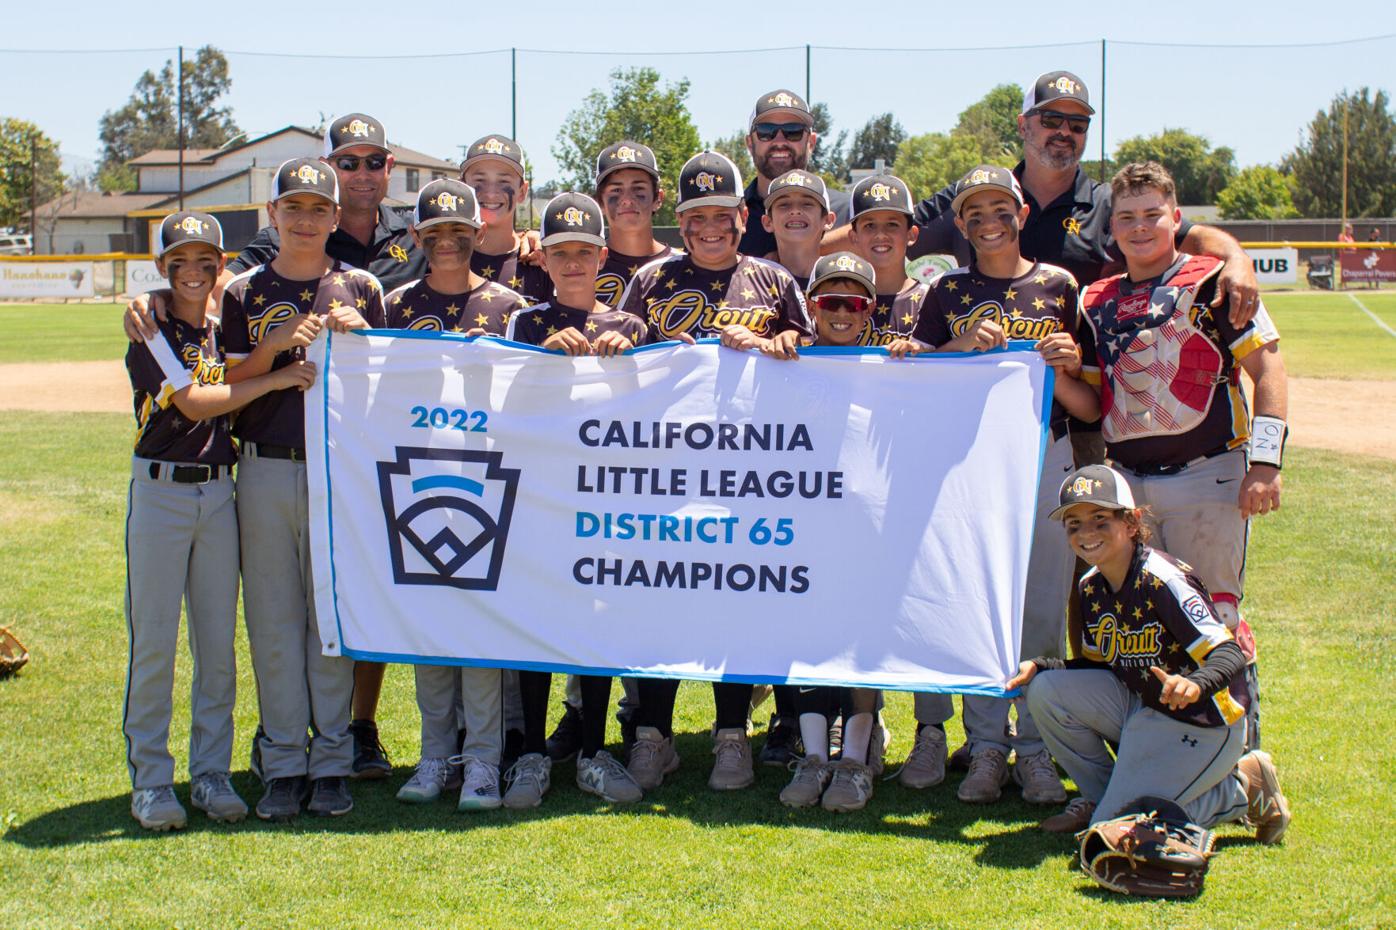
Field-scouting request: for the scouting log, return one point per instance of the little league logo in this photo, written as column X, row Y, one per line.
column 447, row 513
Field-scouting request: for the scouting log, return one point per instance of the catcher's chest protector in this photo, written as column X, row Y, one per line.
column 1159, row 370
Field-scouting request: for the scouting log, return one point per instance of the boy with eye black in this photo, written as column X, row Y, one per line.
column 1000, row 296
column 494, row 168
column 880, row 234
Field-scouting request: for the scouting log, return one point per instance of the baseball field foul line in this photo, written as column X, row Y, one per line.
column 1375, row 319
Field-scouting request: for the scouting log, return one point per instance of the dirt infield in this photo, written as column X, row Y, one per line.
column 1344, row 416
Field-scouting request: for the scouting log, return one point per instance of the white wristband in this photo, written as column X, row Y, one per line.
column 1268, row 440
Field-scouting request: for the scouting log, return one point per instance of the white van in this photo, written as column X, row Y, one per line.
column 16, row 244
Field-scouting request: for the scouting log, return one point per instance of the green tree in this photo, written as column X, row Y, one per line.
column 1259, row 192
column 1315, row 168
column 150, row 119
column 829, row 159
column 992, row 122
column 29, row 164
column 635, row 106
column 1199, row 170
column 878, row 138
column 935, row 160
column 734, row 147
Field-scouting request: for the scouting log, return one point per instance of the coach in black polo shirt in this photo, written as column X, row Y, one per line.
column 780, row 137
column 370, row 236
column 1069, row 214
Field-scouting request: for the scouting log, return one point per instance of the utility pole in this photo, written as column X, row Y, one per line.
column 179, row 70
column 1345, row 161
column 1102, row 111
column 807, row 74
column 514, row 94
column 34, row 193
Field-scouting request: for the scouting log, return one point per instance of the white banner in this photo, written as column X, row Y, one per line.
column 46, row 279
column 682, row 511
column 1275, row 266
column 142, row 276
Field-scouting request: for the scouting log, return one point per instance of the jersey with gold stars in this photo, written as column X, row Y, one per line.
column 673, row 295
column 520, row 277
column 894, row 316
column 1163, row 616
column 416, row 306
column 257, row 302
column 617, row 271
column 179, row 355
column 533, row 325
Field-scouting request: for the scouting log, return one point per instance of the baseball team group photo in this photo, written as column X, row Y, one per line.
column 934, row 530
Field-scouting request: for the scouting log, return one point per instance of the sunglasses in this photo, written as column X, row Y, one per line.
column 793, row 132
column 849, row 303
column 350, row 163
column 1053, row 119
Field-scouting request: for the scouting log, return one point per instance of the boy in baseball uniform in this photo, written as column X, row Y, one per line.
column 182, row 534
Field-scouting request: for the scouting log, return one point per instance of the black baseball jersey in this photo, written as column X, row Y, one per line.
column 1041, row 302
column 391, row 257
column 529, row 280
column 258, row 301
column 417, row 306
column 1161, row 616
column 1166, row 365
column 533, row 325
column 1072, row 231
column 617, row 271
column 674, row 296
column 894, row 316
column 178, row 356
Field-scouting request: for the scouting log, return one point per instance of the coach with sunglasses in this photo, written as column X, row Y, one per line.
column 1068, row 221
column 370, row 236
column 781, row 136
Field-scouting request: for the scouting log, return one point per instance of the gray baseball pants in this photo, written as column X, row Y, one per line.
column 181, row 546
column 299, row 689
column 1079, row 710
column 481, row 691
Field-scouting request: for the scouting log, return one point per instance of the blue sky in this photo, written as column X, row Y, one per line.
column 1254, row 100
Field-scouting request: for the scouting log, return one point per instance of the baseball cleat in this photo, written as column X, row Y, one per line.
column 158, row 809
column 213, row 793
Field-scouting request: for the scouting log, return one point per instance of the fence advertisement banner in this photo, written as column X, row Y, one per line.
column 55, row 280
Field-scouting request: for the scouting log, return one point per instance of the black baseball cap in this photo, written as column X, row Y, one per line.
column 1095, row 484
column 572, row 217
column 446, row 200
column 185, row 227
column 780, row 100
column 709, row 179
column 844, row 265
column 625, row 154
column 798, row 180
column 353, row 129
column 500, row 148
column 305, row 176
column 881, row 192
column 1054, row 86
column 982, row 178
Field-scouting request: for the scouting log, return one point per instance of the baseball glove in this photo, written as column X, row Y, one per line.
column 13, row 655
column 1153, row 853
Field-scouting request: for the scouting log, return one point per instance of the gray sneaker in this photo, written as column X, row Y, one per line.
column 212, row 793
column 427, row 782
column 158, row 809
column 925, row 767
column 988, row 773
column 528, row 780
column 479, row 790
column 850, row 787
column 651, row 758
column 282, row 799
column 330, row 797
column 808, row 783
column 733, row 769
column 1037, row 773
column 606, row 778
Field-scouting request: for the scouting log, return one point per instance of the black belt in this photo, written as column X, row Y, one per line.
column 1163, row 471
column 1058, row 429
column 266, row 450
column 189, row 474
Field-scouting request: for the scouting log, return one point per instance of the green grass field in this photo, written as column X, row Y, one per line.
column 71, row 856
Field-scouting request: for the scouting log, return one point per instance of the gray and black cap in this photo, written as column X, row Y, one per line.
column 446, row 200
column 625, row 154
column 305, row 176
column 572, row 217
column 353, row 129
column 189, row 226
column 1095, row 484
column 709, row 179
column 881, row 192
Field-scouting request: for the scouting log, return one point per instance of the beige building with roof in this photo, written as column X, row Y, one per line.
column 232, row 182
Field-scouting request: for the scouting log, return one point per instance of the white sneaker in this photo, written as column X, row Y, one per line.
column 604, row 776
column 158, row 809
column 213, row 793
column 427, row 782
column 479, row 790
column 528, row 779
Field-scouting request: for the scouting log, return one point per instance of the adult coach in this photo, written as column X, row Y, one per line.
column 780, row 137
column 1068, row 220
column 369, row 235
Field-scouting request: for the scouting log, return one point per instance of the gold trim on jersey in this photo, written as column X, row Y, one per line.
column 1226, row 706
column 1200, row 648
column 696, row 312
column 1014, row 327
column 1116, row 640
